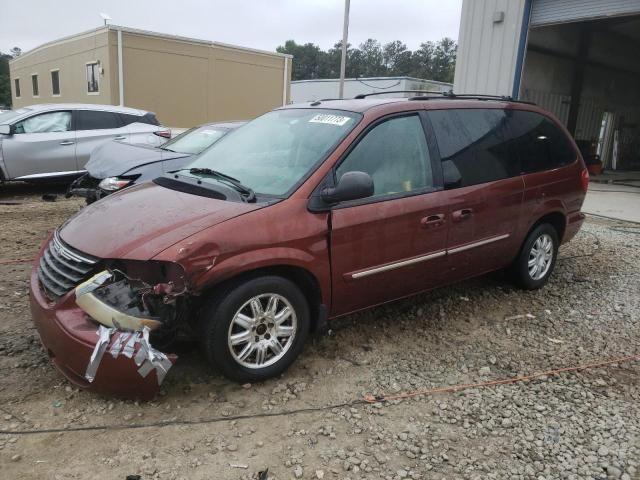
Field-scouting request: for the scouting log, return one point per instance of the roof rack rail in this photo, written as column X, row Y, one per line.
column 472, row 96
column 365, row 95
column 430, row 95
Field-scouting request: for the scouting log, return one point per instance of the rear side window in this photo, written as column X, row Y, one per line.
column 538, row 142
column 96, row 120
column 474, row 144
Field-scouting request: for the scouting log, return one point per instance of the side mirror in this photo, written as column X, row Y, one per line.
column 451, row 175
column 6, row 130
column 351, row 186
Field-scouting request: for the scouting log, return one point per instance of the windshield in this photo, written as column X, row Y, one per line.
column 195, row 140
column 6, row 117
column 274, row 152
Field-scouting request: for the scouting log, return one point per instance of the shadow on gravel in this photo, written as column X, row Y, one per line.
column 14, row 192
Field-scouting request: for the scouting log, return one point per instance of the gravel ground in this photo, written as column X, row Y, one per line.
column 312, row 423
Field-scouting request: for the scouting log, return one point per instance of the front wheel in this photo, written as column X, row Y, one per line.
column 256, row 329
column 536, row 261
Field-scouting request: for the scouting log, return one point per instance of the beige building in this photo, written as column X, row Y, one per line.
column 183, row 80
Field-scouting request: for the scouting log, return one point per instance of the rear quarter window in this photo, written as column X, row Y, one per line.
column 539, row 143
column 128, row 119
column 148, row 118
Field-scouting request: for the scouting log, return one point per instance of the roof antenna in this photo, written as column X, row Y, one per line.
column 105, row 17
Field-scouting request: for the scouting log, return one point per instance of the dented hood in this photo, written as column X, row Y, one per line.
column 141, row 221
column 117, row 158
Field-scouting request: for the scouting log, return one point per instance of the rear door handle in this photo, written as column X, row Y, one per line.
column 432, row 221
column 461, row 215
column 120, row 137
column 67, row 142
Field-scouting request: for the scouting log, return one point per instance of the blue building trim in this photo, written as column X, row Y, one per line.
column 522, row 48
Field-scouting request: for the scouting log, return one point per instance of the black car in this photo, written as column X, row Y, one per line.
column 116, row 165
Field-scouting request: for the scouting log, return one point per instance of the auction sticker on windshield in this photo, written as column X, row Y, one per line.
column 338, row 120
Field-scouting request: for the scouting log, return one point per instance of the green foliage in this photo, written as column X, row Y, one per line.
column 5, row 81
column 432, row 61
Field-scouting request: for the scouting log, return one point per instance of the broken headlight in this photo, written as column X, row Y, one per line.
column 111, row 184
column 135, row 296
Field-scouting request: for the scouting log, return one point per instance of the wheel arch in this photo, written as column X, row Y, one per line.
column 299, row 276
column 557, row 219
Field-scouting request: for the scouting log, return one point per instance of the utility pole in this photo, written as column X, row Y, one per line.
column 343, row 58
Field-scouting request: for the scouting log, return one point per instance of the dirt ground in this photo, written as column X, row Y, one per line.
column 312, row 423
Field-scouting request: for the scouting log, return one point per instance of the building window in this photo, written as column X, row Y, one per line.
column 34, row 85
column 93, row 74
column 55, row 82
column 16, row 84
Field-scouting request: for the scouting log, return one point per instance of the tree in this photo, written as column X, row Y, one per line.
column 16, row 52
column 422, row 61
column 308, row 59
column 432, row 61
column 396, row 58
column 5, row 81
column 444, row 60
column 372, row 59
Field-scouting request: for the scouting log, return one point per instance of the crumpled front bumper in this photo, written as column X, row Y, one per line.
column 86, row 186
column 70, row 337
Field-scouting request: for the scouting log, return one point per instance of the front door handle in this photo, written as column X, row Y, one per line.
column 432, row 221
column 67, row 142
column 461, row 215
column 120, row 137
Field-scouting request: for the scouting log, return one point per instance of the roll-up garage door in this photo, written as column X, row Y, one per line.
column 547, row 12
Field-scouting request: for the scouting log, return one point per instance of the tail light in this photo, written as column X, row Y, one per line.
column 163, row 133
column 584, row 180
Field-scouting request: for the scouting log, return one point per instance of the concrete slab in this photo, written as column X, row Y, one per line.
column 617, row 177
column 621, row 202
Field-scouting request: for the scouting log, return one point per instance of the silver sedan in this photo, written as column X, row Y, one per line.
column 52, row 141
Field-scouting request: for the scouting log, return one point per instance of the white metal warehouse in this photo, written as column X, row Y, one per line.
column 577, row 58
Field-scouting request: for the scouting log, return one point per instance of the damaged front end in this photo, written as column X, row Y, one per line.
column 112, row 332
column 129, row 310
column 115, row 300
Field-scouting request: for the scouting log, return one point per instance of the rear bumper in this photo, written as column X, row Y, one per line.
column 70, row 336
column 574, row 222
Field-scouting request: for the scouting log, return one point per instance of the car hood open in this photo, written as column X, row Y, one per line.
column 116, row 158
column 143, row 220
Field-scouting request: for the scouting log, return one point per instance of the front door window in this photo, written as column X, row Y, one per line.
column 45, row 123
column 396, row 156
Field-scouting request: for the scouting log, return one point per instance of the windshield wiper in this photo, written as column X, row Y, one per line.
column 247, row 193
column 168, row 149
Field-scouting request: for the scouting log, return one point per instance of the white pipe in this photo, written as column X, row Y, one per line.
column 285, row 81
column 120, row 72
column 343, row 57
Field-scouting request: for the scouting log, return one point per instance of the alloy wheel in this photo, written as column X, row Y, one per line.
column 540, row 257
column 262, row 331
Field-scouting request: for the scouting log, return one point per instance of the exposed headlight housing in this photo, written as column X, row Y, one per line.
column 111, row 184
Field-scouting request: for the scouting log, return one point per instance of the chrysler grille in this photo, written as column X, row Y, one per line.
column 62, row 267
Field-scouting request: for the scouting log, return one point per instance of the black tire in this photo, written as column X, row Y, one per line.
column 520, row 268
column 217, row 317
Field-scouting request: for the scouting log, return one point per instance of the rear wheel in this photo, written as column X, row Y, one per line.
column 256, row 329
column 536, row 261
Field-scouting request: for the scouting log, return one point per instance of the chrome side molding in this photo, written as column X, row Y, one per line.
column 49, row 175
column 424, row 258
column 479, row 243
column 403, row 263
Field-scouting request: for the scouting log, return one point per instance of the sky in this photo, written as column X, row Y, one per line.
column 262, row 24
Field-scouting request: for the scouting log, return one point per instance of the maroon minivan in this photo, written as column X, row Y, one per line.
column 307, row 213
